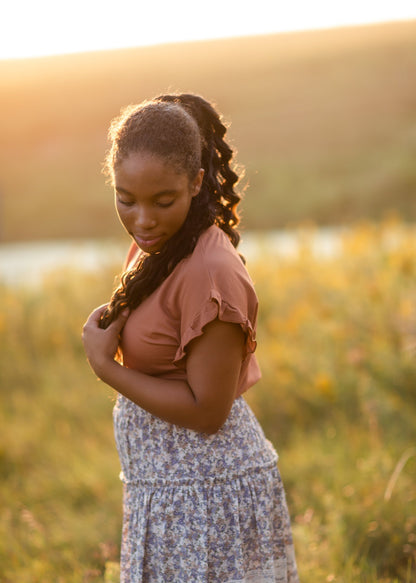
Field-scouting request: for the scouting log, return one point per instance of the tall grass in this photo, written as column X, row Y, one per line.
column 338, row 350
column 337, row 346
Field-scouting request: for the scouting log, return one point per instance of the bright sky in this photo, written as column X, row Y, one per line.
column 30, row 28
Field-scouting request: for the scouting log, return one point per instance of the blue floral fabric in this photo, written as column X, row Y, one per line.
column 201, row 508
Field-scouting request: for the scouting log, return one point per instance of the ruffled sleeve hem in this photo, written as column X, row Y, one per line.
column 216, row 307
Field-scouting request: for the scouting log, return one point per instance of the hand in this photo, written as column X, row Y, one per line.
column 101, row 345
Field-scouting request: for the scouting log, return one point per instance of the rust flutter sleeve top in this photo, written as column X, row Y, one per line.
column 211, row 283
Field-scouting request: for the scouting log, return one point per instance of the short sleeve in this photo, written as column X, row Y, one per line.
column 216, row 287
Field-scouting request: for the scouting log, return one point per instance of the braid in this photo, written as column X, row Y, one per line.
column 215, row 159
column 216, row 202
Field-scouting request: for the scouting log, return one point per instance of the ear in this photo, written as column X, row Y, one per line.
column 197, row 182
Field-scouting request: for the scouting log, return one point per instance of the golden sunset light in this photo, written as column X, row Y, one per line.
column 30, row 29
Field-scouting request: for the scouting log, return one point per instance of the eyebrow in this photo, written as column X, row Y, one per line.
column 156, row 195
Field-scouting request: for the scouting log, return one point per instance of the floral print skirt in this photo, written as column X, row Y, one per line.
column 201, row 508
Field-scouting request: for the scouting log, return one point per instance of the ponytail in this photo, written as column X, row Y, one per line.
column 215, row 159
column 216, row 203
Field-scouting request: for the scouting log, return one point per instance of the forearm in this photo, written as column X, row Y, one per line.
column 170, row 400
column 202, row 402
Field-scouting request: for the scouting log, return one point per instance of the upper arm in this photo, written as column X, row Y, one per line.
column 213, row 368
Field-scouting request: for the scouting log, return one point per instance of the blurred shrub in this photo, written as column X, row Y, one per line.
column 337, row 346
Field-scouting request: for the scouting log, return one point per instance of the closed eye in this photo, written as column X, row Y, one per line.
column 125, row 202
column 164, row 205
column 120, row 197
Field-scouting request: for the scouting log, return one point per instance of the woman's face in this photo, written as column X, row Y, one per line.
column 152, row 198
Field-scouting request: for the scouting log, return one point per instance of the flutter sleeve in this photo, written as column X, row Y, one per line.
column 216, row 287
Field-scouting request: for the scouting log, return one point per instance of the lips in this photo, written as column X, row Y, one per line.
column 147, row 241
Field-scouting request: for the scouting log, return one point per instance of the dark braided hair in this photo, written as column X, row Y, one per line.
column 186, row 131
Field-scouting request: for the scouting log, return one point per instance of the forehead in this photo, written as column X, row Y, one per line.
column 138, row 163
column 147, row 170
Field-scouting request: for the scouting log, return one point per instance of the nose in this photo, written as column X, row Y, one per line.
column 144, row 219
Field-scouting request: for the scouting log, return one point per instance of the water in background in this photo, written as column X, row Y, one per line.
column 29, row 262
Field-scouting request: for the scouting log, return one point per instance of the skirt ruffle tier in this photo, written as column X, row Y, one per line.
column 201, row 508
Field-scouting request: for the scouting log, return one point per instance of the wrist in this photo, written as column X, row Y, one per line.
column 106, row 369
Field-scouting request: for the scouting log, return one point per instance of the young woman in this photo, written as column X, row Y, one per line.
column 203, row 499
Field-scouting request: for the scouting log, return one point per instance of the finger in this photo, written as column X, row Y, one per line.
column 96, row 314
column 121, row 319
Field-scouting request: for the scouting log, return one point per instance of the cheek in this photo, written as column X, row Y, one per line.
column 186, row 205
column 122, row 214
column 182, row 213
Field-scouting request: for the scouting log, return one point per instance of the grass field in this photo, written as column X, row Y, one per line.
column 337, row 346
column 324, row 123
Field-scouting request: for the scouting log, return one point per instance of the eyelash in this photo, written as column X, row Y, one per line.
column 164, row 205
column 158, row 204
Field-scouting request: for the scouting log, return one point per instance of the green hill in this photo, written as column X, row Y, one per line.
column 324, row 123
